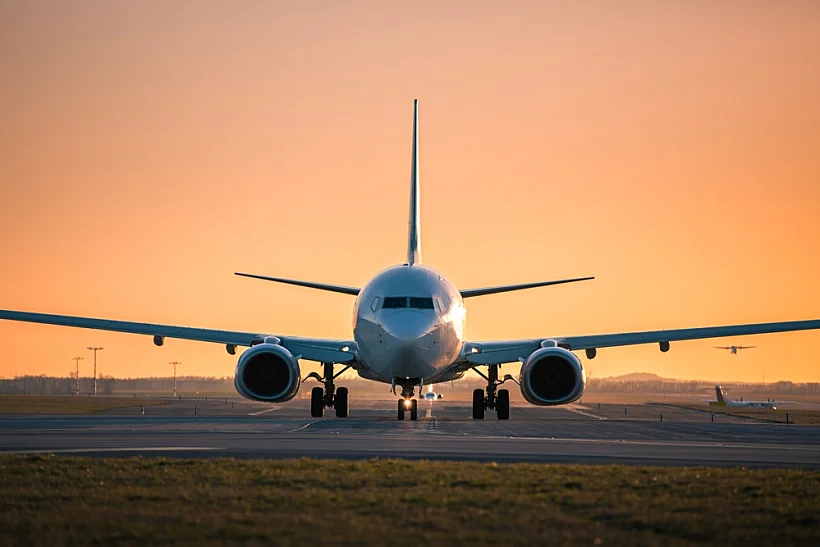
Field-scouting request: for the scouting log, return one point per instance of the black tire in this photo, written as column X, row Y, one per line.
column 502, row 404
column 401, row 409
column 317, row 402
column 341, row 402
column 478, row 404
column 414, row 410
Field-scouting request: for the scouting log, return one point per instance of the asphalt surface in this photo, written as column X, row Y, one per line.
column 626, row 434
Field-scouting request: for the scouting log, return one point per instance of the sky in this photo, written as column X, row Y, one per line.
column 148, row 150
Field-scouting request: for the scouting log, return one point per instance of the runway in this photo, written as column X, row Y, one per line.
column 625, row 434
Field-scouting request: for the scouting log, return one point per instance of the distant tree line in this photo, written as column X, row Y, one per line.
column 786, row 388
column 184, row 384
column 107, row 385
column 642, row 386
column 49, row 385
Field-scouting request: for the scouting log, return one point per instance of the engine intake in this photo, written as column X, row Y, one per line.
column 552, row 376
column 267, row 372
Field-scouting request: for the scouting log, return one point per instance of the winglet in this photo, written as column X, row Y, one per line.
column 414, row 227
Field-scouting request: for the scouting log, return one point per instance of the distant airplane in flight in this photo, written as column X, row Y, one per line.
column 734, row 349
column 408, row 331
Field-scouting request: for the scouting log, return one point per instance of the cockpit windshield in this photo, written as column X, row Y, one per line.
column 415, row 302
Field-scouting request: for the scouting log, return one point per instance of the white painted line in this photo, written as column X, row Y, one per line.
column 429, row 413
column 89, row 450
column 274, row 408
column 307, row 425
column 582, row 413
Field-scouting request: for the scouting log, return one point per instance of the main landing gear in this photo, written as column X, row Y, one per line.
column 494, row 399
column 407, row 403
column 328, row 396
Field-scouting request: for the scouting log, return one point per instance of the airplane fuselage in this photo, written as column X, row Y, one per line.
column 408, row 323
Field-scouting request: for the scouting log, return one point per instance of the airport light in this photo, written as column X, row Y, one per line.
column 175, row 363
column 95, row 350
column 77, row 374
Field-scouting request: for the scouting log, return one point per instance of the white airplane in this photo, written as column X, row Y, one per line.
column 432, row 395
column 408, row 331
column 734, row 349
column 723, row 401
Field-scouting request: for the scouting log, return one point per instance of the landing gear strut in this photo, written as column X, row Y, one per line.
column 494, row 399
column 329, row 396
column 407, row 403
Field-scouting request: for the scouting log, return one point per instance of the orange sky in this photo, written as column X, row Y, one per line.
column 150, row 149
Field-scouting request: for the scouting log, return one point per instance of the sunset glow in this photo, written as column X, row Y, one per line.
column 670, row 149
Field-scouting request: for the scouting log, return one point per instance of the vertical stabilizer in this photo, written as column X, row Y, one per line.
column 414, row 227
column 719, row 394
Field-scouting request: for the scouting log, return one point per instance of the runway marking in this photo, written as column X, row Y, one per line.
column 429, row 413
column 272, row 409
column 117, row 449
column 301, row 428
column 582, row 413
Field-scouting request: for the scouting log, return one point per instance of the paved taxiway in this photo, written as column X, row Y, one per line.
column 581, row 433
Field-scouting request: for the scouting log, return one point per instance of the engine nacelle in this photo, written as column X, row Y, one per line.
column 269, row 373
column 552, row 376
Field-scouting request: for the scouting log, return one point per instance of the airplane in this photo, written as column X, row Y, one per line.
column 722, row 401
column 409, row 331
column 734, row 349
column 432, row 395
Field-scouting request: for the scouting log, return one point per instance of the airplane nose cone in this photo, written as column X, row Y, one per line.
column 409, row 325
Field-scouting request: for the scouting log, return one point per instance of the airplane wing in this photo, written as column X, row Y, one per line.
column 723, row 347
column 309, row 284
column 311, row 349
column 745, row 347
column 494, row 353
column 470, row 293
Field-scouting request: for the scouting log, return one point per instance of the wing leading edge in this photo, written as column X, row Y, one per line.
column 492, row 353
column 311, row 349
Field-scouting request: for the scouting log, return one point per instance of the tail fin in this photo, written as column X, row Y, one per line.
column 719, row 394
column 414, row 229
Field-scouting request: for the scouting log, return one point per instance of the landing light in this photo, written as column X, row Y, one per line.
column 407, row 403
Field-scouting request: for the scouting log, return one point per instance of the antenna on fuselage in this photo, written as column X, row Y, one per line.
column 414, row 225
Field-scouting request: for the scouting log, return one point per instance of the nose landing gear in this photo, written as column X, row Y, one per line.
column 495, row 399
column 328, row 396
column 407, row 403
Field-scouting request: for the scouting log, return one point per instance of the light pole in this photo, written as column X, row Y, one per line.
column 95, row 350
column 77, row 374
column 175, row 363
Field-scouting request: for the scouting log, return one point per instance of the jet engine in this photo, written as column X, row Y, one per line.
column 267, row 372
column 552, row 376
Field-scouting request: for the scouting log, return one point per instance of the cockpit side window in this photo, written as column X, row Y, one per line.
column 375, row 305
column 393, row 302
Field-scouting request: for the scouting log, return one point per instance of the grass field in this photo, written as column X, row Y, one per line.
column 796, row 415
column 51, row 500
column 56, row 404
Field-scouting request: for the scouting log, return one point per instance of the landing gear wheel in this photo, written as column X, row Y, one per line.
column 401, row 409
column 414, row 410
column 317, row 402
column 502, row 405
column 341, row 402
column 478, row 404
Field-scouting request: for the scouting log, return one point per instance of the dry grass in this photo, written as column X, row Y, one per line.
column 796, row 415
column 57, row 404
column 56, row 501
